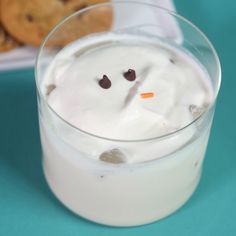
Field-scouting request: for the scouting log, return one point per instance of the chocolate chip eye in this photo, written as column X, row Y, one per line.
column 130, row 75
column 172, row 61
column 29, row 18
column 105, row 83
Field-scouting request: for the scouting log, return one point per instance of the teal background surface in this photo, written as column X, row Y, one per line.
column 27, row 207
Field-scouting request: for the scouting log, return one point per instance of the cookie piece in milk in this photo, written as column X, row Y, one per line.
column 29, row 21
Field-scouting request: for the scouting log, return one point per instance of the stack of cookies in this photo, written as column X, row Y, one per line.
column 29, row 21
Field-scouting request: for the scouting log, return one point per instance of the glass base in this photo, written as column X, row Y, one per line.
column 115, row 220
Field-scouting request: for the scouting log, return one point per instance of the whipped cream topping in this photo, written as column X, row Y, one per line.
column 169, row 90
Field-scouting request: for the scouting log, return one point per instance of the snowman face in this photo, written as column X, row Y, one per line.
column 129, row 75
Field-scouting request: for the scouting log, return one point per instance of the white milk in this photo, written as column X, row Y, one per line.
column 156, row 175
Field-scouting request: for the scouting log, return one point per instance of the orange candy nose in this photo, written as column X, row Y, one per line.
column 147, row 95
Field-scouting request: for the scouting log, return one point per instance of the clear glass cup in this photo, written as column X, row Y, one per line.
column 124, row 194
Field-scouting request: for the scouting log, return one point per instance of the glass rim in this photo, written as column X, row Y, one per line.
column 176, row 15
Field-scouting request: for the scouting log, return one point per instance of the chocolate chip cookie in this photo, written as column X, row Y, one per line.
column 29, row 21
column 6, row 41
